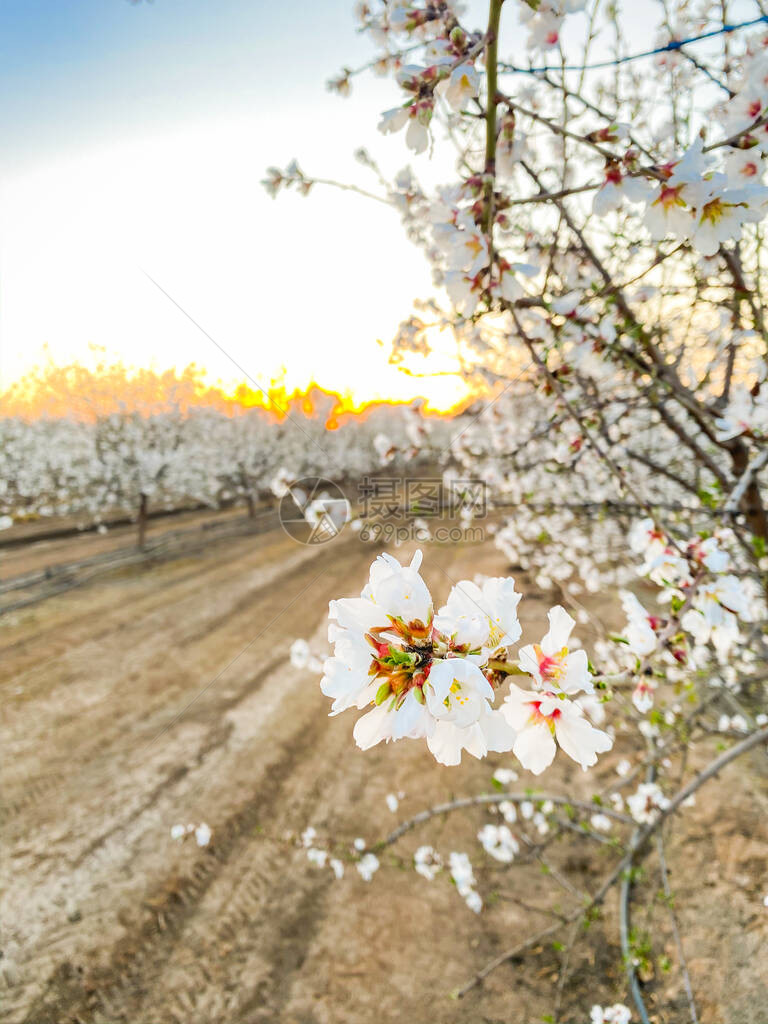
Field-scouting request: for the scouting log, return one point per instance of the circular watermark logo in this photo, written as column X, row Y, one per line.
column 313, row 510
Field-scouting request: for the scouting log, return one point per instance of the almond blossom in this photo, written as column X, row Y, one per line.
column 540, row 719
column 646, row 802
column 640, row 629
column 551, row 664
column 421, row 675
column 462, row 85
column 547, row 715
column 391, row 657
column 498, row 841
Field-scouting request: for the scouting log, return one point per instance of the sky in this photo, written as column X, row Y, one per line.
column 138, row 135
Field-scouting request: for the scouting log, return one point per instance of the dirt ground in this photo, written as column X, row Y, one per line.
column 163, row 693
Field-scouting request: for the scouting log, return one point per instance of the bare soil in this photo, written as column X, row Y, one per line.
column 163, row 693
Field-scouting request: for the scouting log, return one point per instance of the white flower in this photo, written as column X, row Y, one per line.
column 642, row 695
column 499, row 842
column 458, row 692
column 317, row 857
column 592, row 706
column 346, row 678
column 461, row 870
column 720, row 600
column 300, row 653
column 393, row 120
column 483, row 616
column 417, row 136
column 384, row 448
column 178, row 831
column 600, row 822
column 616, row 1014
column 383, row 722
column 617, row 188
column 645, row 539
column 281, row 482
column 202, row 835
column 367, row 866
column 646, row 802
column 490, row 732
column 427, row 862
column 711, row 555
column 392, row 802
column 399, row 590
column 744, row 165
column 473, row 900
column 308, row 836
column 508, row 811
column 692, row 166
column 505, row 775
column 744, row 414
column 668, row 214
column 463, row 85
column 639, row 631
column 551, row 664
column 464, row 878
column 720, row 218
column 539, row 718
column 465, row 246
column 337, row 867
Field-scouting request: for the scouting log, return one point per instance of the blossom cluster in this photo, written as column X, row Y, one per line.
column 699, row 575
column 429, row 674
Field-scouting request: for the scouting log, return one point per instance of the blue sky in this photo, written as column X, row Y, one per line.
column 74, row 71
column 137, row 135
column 135, row 138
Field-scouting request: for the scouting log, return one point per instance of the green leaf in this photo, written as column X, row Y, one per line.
column 399, row 657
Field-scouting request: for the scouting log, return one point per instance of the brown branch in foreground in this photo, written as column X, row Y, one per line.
column 644, row 835
column 496, row 798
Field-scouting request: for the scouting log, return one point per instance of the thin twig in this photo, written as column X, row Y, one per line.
column 675, row 928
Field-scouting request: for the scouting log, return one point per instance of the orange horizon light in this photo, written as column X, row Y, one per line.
column 77, row 392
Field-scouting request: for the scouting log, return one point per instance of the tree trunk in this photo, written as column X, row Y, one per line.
column 251, row 505
column 752, row 502
column 142, row 520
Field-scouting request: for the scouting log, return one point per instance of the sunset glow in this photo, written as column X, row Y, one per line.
column 85, row 393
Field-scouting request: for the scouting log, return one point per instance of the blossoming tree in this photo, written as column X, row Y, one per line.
column 597, row 246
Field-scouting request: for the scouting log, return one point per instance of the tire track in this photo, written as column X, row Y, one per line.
column 169, row 907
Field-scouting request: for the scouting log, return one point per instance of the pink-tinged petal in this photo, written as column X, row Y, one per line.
column 560, row 626
column 535, row 748
column 549, row 704
column 580, row 740
column 518, row 707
